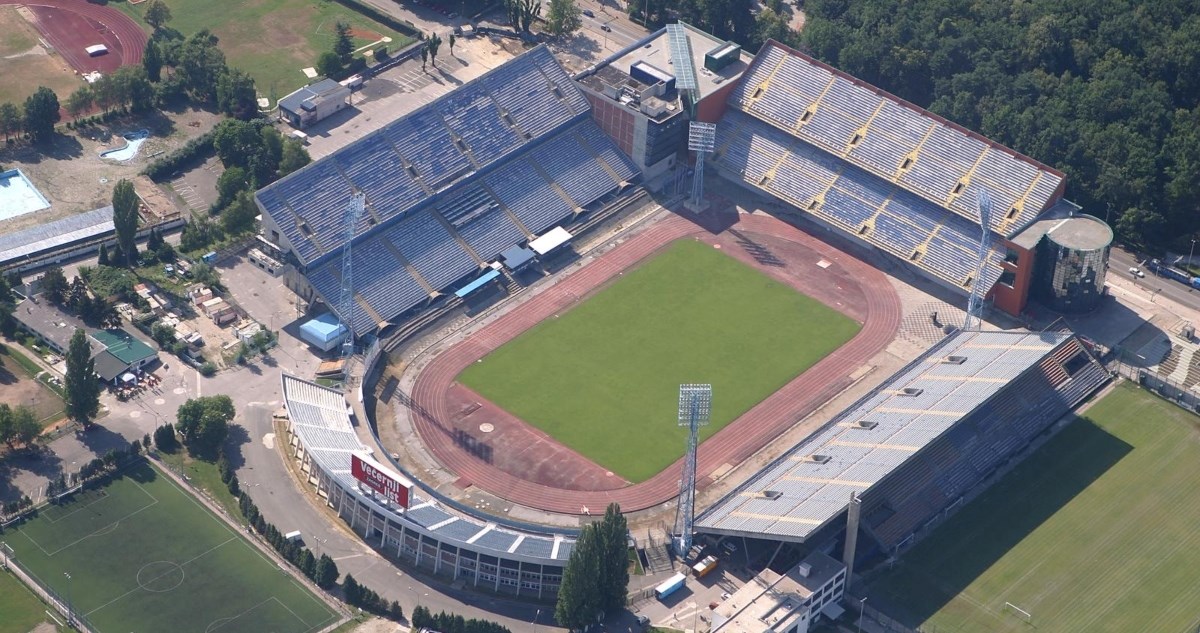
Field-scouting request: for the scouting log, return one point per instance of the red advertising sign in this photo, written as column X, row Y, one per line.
column 394, row 490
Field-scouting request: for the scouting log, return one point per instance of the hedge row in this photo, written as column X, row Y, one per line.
column 198, row 148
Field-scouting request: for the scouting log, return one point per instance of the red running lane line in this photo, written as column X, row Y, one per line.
column 732, row 444
column 129, row 36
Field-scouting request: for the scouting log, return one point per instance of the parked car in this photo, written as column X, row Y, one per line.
column 588, row 12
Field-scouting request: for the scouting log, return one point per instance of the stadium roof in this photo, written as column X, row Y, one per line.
column 321, row 417
column 44, row 237
column 904, row 144
column 408, row 161
column 810, row 485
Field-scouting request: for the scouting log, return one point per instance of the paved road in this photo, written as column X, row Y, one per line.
column 1119, row 262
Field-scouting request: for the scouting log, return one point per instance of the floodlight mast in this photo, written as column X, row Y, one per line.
column 701, row 136
column 345, row 307
column 974, row 318
column 695, row 404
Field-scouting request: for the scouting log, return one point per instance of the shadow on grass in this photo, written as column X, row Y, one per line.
column 938, row 569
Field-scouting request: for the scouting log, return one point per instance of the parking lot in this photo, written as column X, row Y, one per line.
column 267, row 300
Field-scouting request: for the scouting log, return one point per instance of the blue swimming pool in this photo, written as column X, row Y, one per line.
column 133, row 141
column 18, row 196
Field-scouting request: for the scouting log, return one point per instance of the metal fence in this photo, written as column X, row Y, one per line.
column 1169, row 389
column 43, row 591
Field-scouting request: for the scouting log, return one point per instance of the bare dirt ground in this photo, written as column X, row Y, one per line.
column 19, row 388
column 70, row 173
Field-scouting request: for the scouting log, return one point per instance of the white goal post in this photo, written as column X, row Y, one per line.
column 1021, row 613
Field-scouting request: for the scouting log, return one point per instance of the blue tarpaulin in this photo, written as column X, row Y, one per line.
column 477, row 284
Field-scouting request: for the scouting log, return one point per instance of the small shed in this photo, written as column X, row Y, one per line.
column 314, row 102
column 325, row 332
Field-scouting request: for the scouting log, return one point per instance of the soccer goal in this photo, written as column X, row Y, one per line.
column 1019, row 612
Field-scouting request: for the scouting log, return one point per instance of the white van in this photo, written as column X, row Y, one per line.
column 292, row 536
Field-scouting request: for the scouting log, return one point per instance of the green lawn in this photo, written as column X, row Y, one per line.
column 272, row 39
column 1095, row 532
column 143, row 555
column 604, row 377
column 20, row 610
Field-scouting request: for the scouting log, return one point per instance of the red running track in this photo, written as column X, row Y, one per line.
column 731, row 445
column 70, row 26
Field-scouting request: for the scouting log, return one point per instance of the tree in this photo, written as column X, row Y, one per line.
column 204, row 424
column 238, row 217
column 424, row 57
column 11, row 119
column 343, row 46
column 326, row 572
column 41, row 113
column 54, row 284
column 564, row 17
column 152, row 60
column 614, row 560
column 351, row 590
column 329, row 65
column 80, row 101
column 7, row 306
column 25, row 427
column 579, row 593
column 433, row 44
column 164, row 438
column 157, row 14
column 236, row 95
column 6, row 425
column 80, row 383
column 125, row 219
column 102, row 256
column 522, row 13
column 231, row 182
column 77, row 294
column 450, row 41
column 201, row 64
column 294, row 156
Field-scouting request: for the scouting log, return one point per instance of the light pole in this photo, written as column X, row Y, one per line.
column 1190, row 253
column 535, row 620
column 862, row 605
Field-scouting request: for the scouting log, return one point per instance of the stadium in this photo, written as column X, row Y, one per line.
column 529, row 169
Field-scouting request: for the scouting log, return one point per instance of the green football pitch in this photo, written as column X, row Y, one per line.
column 140, row 554
column 1096, row 531
column 604, row 378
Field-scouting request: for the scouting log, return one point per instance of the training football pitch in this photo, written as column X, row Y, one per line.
column 140, row 554
column 1096, row 531
column 604, row 378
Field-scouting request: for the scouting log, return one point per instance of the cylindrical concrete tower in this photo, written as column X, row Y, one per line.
column 1072, row 260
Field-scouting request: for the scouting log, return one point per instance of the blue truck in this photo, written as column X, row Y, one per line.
column 1163, row 270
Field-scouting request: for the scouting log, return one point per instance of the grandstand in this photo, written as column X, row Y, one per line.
column 880, row 169
column 448, row 187
column 426, row 534
column 918, row 443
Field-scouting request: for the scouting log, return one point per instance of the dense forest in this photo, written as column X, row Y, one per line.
column 1105, row 90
